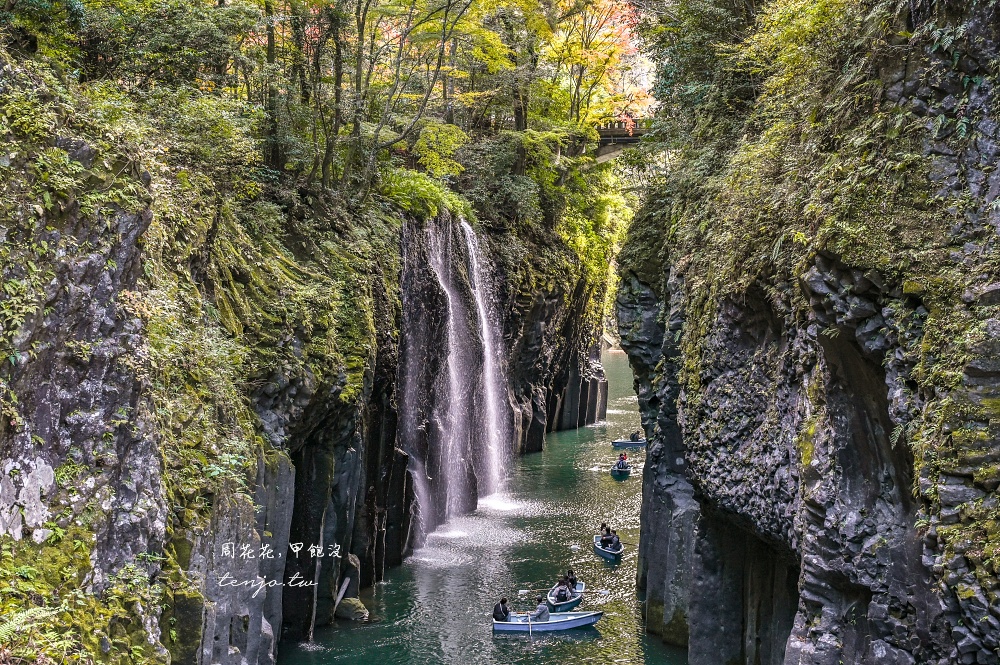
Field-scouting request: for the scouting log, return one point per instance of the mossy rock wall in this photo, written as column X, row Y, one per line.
column 553, row 316
column 810, row 309
column 199, row 380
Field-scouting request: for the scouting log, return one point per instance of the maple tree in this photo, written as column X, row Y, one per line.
column 340, row 82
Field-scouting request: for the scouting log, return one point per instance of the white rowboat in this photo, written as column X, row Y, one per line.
column 606, row 552
column 561, row 621
column 566, row 605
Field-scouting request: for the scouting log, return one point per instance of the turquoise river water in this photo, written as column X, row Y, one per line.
column 436, row 607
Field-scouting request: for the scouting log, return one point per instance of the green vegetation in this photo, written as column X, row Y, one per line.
column 273, row 148
column 775, row 142
column 72, row 625
column 776, row 147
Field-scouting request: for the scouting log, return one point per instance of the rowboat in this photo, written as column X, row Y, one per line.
column 566, row 605
column 607, row 553
column 628, row 443
column 620, row 474
column 563, row 621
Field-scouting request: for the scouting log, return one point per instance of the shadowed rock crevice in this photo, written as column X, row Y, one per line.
column 744, row 597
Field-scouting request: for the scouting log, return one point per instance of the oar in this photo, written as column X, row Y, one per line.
column 600, row 591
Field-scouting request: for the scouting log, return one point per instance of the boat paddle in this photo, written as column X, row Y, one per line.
column 603, row 592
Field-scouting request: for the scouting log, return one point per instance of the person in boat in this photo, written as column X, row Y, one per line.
column 634, row 436
column 615, row 544
column 541, row 612
column 562, row 591
column 571, row 578
column 606, row 537
column 500, row 611
column 622, row 461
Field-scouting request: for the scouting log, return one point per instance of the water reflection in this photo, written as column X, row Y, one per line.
column 436, row 607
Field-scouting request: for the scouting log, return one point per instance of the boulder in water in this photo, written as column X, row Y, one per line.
column 353, row 609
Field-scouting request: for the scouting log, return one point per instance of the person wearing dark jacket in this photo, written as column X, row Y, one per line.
column 571, row 578
column 500, row 611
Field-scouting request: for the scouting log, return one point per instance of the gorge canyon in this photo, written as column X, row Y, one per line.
column 286, row 286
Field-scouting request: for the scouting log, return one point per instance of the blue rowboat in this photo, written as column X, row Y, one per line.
column 567, row 605
column 628, row 443
column 607, row 553
column 563, row 621
column 620, row 474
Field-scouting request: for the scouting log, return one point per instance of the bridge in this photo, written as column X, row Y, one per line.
column 617, row 135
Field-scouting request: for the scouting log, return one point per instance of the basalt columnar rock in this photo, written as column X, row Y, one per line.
column 200, row 444
column 557, row 382
column 821, row 482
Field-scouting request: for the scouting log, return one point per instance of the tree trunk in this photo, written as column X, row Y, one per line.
column 448, row 86
column 272, row 144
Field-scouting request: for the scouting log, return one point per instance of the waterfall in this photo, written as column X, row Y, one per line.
column 455, row 424
column 494, row 378
column 454, row 415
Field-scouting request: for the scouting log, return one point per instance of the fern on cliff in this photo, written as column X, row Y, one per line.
column 21, row 622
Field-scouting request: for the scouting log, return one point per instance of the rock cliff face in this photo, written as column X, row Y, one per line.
column 199, row 399
column 819, row 488
column 557, row 381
